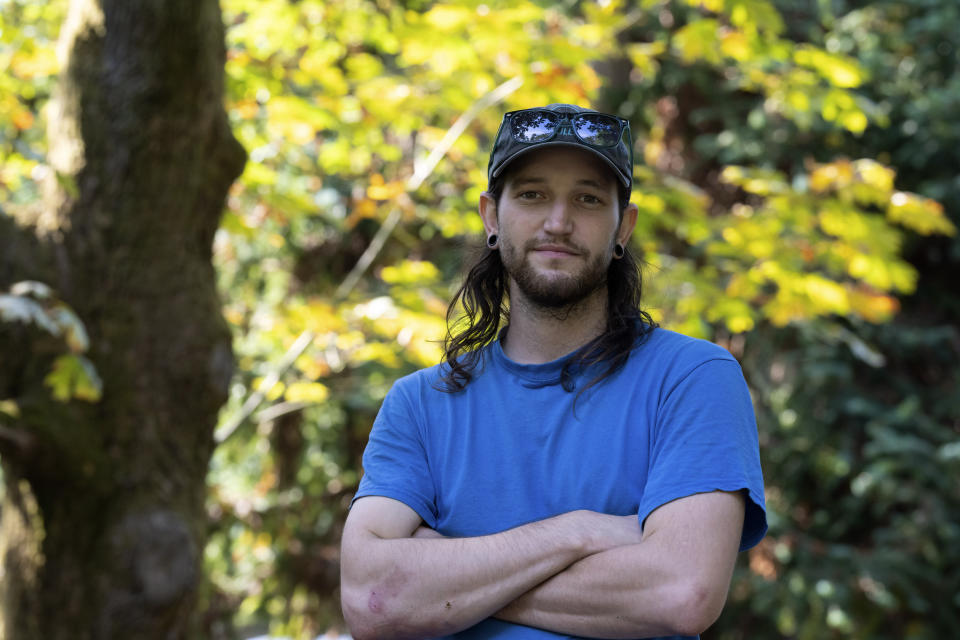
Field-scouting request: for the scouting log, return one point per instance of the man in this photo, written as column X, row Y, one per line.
column 581, row 473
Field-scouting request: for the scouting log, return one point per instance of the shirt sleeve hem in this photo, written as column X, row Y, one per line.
column 419, row 505
column 754, row 519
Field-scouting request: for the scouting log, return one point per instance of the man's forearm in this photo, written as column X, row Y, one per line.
column 674, row 582
column 421, row 587
column 620, row 593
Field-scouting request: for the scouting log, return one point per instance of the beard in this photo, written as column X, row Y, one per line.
column 557, row 290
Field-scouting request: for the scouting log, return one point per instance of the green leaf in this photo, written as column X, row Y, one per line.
column 74, row 377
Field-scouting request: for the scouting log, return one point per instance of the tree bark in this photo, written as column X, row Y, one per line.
column 103, row 519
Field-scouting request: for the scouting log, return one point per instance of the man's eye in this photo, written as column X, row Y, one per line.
column 590, row 199
column 529, row 195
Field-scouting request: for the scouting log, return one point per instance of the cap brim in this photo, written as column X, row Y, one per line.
column 563, row 143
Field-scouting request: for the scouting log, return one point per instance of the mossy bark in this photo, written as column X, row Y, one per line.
column 103, row 520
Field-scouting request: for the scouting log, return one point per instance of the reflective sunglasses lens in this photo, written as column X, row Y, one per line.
column 533, row 126
column 597, row 129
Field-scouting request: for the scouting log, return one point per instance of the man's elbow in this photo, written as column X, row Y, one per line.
column 355, row 618
column 370, row 617
column 365, row 617
column 695, row 606
column 361, row 628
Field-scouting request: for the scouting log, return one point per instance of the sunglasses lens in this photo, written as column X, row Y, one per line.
column 533, row 126
column 597, row 129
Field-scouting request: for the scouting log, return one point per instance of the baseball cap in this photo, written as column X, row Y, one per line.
column 564, row 124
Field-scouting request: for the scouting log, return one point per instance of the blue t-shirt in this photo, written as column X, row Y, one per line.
column 515, row 446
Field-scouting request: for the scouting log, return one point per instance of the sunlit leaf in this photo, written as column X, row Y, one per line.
column 699, row 40
column 920, row 214
column 841, row 71
column 74, row 377
column 410, row 272
column 313, row 392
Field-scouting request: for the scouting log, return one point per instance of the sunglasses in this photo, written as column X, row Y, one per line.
column 598, row 130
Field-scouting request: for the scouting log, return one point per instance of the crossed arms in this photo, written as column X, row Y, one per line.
column 579, row 573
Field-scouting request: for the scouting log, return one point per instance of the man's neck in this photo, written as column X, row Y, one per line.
column 539, row 334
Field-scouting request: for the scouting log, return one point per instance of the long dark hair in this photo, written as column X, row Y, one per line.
column 482, row 297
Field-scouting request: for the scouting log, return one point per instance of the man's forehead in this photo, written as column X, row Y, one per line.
column 533, row 179
column 538, row 165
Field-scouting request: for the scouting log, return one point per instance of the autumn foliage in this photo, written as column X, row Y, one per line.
column 784, row 212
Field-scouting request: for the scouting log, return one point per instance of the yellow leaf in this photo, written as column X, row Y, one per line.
column 386, row 191
column 363, row 66
column 644, row 55
column 697, row 40
column 826, row 296
column 923, row 215
column 22, row 119
column 734, row 44
column 854, row 121
column 883, row 274
column 841, row 71
column 735, row 313
column 873, row 306
column 798, row 100
column 273, row 393
column 447, row 17
column 365, row 208
column 297, row 119
column 833, row 175
column 247, row 109
column 410, row 272
column 649, row 203
column 849, row 224
column 320, row 57
column 376, row 352
column 874, row 174
column 38, row 63
column 716, row 6
column 761, row 13
column 312, row 392
column 313, row 367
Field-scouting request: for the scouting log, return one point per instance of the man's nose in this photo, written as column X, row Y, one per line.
column 559, row 219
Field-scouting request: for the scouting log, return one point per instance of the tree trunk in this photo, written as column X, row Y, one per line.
column 103, row 517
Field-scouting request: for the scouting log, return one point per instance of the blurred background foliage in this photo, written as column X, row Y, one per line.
column 799, row 192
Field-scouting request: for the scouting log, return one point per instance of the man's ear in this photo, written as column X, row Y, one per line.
column 488, row 213
column 627, row 223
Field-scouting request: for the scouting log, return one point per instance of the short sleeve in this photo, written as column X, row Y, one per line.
column 395, row 461
column 705, row 439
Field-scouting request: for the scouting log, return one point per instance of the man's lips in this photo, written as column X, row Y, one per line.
column 555, row 250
